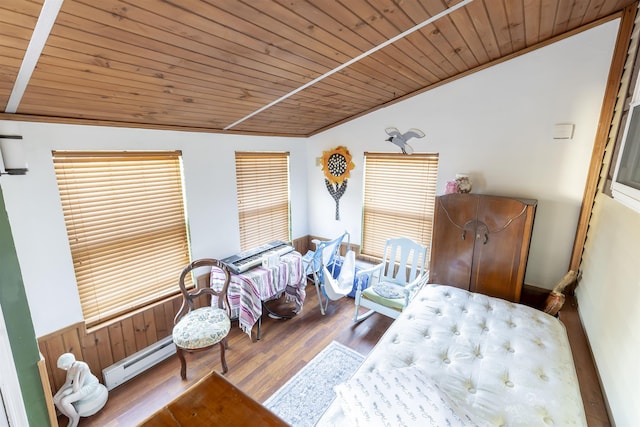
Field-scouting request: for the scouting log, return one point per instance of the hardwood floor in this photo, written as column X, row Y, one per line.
column 259, row 368
column 592, row 396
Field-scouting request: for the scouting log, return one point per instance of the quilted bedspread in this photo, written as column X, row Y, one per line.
column 460, row 358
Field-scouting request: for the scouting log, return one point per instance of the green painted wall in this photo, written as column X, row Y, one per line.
column 17, row 318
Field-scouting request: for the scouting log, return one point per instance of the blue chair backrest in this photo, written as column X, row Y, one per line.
column 327, row 252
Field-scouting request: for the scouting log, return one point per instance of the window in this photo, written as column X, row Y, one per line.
column 626, row 181
column 399, row 196
column 262, row 181
column 125, row 219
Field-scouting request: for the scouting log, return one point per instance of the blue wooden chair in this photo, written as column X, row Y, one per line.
column 394, row 282
column 320, row 266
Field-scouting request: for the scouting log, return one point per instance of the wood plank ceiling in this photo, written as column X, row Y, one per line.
column 282, row 67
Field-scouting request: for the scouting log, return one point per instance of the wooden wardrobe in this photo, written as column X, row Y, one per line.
column 481, row 243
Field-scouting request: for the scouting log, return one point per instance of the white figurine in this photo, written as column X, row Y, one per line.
column 80, row 384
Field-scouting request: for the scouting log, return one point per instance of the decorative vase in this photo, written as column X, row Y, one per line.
column 464, row 184
column 451, row 187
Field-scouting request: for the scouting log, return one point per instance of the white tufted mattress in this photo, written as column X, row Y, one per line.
column 504, row 364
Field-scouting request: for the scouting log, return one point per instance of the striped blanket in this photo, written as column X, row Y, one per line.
column 248, row 290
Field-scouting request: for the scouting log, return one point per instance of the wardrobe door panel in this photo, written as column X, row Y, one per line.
column 498, row 265
column 453, row 240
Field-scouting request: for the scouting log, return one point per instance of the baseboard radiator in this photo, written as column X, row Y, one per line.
column 137, row 363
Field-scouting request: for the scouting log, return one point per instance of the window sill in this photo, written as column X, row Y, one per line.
column 130, row 314
column 630, row 197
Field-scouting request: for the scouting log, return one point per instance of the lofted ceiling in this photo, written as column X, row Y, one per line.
column 274, row 67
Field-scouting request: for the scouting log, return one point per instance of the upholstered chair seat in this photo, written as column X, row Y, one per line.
column 202, row 327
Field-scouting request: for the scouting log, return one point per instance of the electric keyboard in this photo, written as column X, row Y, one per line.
column 246, row 260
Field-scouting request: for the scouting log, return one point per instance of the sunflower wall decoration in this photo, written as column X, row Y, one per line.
column 337, row 165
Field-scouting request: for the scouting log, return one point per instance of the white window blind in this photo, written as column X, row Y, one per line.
column 125, row 219
column 262, row 181
column 399, row 198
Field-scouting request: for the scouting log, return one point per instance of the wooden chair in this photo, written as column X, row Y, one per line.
column 197, row 329
column 394, row 282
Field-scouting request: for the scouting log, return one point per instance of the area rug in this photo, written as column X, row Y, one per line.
column 305, row 397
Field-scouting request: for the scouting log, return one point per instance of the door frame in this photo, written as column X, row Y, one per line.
column 9, row 383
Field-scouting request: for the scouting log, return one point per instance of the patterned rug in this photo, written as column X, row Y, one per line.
column 304, row 398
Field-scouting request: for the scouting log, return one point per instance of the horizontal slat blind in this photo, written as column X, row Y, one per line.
column 262, row 181
column 125, row 219
column 399, row 198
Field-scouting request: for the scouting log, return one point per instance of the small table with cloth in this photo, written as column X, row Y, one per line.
column 247, row 291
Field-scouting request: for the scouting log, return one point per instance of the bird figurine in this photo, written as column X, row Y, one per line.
column 400, row 139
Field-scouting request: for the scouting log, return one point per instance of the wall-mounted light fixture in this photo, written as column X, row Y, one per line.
column 14, row 160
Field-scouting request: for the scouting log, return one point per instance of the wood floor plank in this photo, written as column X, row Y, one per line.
column 592, row 396
column 258, row 368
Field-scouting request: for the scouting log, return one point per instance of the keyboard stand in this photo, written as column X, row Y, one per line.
column 275, row 315
column 272, row 314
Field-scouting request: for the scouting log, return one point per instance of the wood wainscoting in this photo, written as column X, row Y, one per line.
column 108, row 343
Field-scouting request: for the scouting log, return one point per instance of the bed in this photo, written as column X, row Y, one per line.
column 459, row 358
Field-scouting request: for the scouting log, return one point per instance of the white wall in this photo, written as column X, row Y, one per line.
column 35, row 213
column 608, row 298
column 496, row 125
